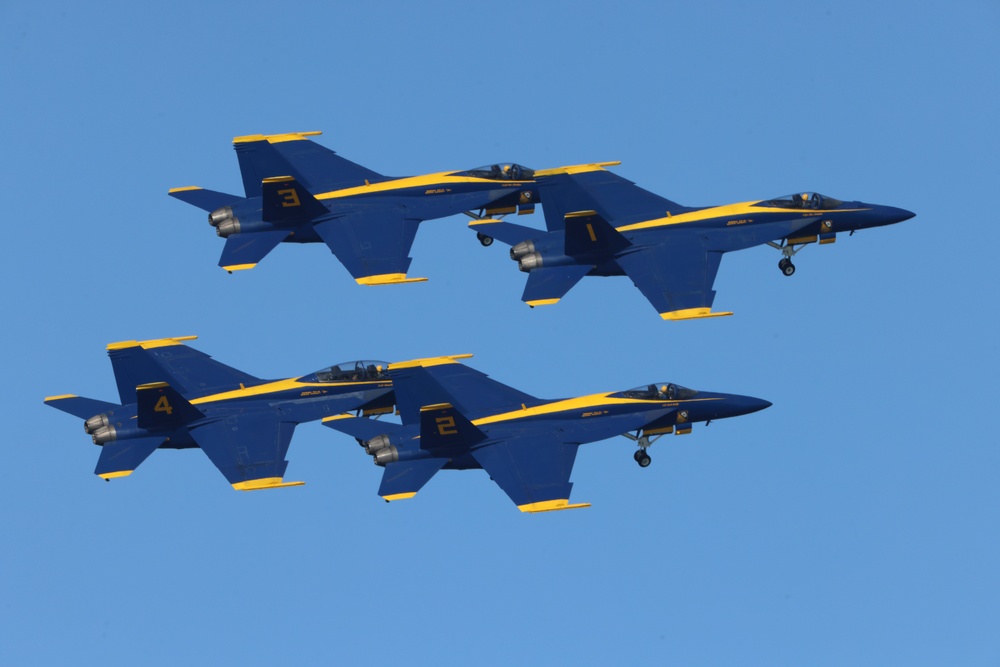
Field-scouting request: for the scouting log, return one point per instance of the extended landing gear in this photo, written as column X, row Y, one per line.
column 487, row 241
column 788, row 250
column 644, row 441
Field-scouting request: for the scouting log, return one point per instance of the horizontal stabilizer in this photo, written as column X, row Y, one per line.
column 505, row 232
column 403, row 479
column 248, row 448
column 244, row 251
column 81, row 407
column 206, row 200
column 373, row 245
column 547, row 285
column 121, row 458
column 441, row 425
column 161, row 407
column 287, row 200
column 533, row 471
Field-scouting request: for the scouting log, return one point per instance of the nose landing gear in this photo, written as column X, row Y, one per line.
column 788, row 250
column 644, row 441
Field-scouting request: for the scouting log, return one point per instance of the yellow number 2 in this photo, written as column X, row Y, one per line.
column 446, row 425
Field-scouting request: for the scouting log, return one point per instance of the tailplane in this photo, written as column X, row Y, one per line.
column 206, row 200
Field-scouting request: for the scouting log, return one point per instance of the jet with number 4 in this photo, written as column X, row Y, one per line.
column 456, row 418
column 300, row 192
column 600, row 224
column 175, row 397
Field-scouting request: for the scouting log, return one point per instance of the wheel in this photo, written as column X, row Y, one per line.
column 637, row 454
column 644, row 460
column 487, row 241
column 788, row 269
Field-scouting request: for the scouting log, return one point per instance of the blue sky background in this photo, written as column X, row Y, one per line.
column 855, row 522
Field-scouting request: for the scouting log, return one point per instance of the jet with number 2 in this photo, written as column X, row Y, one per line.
column 300, row 192
column 456, row 418
column 175, row 397
column 600, row 224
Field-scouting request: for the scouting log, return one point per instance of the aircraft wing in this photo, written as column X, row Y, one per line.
column 547, row 285
column 675, row 276
column 567, row 190
column 373, row 245
column 248, row 448
column 169, row 360
column 119, row 459
column 532, row 470
column 423, row 382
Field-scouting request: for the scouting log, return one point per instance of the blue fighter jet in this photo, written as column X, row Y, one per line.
column 600, row 224
column 300, row 192
column 454, row 417
column 175, row 397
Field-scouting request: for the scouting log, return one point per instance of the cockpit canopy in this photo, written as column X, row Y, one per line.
column 808, row 200
column 504, row 171
column 350, row 371
column 663, row 391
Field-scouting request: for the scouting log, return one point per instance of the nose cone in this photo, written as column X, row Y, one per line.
column 894, row 215
column 745, row 405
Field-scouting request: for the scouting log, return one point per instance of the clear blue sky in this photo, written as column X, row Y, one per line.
column 855, row 522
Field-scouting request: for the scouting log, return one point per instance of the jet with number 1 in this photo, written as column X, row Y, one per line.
column 175, row 397
column 600, row 224
column 454, row 417
column 300, row 192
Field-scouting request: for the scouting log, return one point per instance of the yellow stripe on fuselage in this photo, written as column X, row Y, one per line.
column 747, row 208
column 580, row 403
column 277, row 387
column 424, row 181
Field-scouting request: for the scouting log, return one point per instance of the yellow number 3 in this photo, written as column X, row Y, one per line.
column 163, row 405
column 291, row 197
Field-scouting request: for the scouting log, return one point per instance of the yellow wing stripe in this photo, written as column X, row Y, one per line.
column 264, row 483
column 239, row 267
column 577, row 168
column 550, row 506
column 184, row 189
column 149, row 344
column 275, row 138
column 692, row 314
column 542, row 302
column 59, row 397
column 388, row 279
column 428, row 361
column 113, row 475
column 399, row 496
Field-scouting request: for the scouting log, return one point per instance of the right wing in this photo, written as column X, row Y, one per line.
column 372, row 244
column 248, row 448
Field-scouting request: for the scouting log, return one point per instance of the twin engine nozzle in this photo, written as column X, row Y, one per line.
column 101, row 430
column 525, row 256
column 224, row 221
column 381, row 450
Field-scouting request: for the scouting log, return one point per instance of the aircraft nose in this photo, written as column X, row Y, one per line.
column 897, row 214
column 746, row 405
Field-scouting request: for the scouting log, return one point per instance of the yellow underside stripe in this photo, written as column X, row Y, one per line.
column 264, row 483
column 239, row 267
column 692, row 314
column 113, row 475
column 184, row 189
column 542, row 302
column 59, row 397
column 388, row 279
column 550, row 506
column 400, row 496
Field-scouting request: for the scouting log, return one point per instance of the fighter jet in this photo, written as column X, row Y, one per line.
column 600, row 224
column 456, row 418
column 300, row 192
column 175, row 397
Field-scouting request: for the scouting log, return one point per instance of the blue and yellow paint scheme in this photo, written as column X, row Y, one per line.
column 600, row 224
column 297, row 191
column 175, row 397
column 456, row 418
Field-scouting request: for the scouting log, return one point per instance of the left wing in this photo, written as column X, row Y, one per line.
column 675, row 276
column 373, row 245
column 248, row 448
column 532, row 470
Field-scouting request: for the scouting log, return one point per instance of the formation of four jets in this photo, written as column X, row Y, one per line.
column 452, row 417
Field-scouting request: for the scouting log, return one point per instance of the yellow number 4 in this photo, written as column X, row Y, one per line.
column 163, row 405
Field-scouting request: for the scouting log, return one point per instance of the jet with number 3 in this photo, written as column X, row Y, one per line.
column 456, row 418
column 300, row 192
column 175, row 397
column 600, row 224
